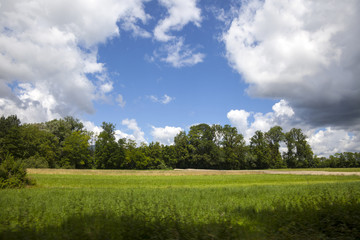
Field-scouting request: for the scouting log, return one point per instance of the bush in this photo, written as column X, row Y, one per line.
column 13, row 174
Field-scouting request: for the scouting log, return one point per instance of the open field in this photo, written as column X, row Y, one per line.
column 184, row 204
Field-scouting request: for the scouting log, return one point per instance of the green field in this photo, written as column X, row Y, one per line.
column 158, row 206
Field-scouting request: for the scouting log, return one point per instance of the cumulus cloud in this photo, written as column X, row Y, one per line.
column 180, row 13
column 248, row 123
column 324, row 142
column 136, row 135
column 164, row 100
column 49, row 51
column 165, row 135
column 90, row 126
column 329, row 141
column 295, row 51
column 239, row 118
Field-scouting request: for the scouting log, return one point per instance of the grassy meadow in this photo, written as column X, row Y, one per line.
column 181, row 205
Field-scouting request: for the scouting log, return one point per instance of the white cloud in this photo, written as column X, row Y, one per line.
column 175, row 52
column 165, row 135
column 282, row 115
column 48, row 50
column 106, row 87
column 180, row 55
column 120, row 100
column 324, row 142
column 131, row 124
column 90, row 126
column 283, row 109
column 180, row 13
column 329, row 141
column 136, row 135
column 295, row 51
column 239, row 118
column 164, row 100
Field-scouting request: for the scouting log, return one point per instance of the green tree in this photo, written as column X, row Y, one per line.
column 183, row 150
column 38, row 143
column 62, row 128
column 169, row 156
column 76, row 151
column 107, row 151
column 9, row 137
column 136, row 157
column 299, row 154
column 206, row 154
column 273, row 137
column 233, row 148
column 154, row 152
column 260, row 150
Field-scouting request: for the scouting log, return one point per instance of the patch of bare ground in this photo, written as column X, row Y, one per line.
column 179, row 172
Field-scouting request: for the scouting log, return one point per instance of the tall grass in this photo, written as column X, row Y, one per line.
column 183, row 207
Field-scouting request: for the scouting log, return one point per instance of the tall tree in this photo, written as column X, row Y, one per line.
column 169, row 156
column 183, row 150
column 76, row 151
column 39, row 144
column 206, row 154
column 233, row 147
column 136, row 157
column 299, row 154
column 154, row 152
column 107, row 150
column 273, row 137
column 260, row 150
column 9, row 137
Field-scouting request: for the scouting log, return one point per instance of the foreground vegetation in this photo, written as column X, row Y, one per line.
column 65, row 143
column 13, row 174
column 65, row 206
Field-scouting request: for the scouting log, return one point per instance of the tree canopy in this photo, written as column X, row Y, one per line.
column 65, row 143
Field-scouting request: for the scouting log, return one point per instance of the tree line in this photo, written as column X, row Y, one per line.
column 65, row 143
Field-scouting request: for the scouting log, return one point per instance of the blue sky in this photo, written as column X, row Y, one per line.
column 156, row 67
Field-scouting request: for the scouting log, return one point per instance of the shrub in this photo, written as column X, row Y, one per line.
column 13, row 174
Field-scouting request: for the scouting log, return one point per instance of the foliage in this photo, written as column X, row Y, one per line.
column 299, row 154
column 107, row 150
column 9, row 136
column 35, row 161
column 273, row 137
column 12, row 174
column 64, row 143
column 76, row 150
column 340, row 160
column 261, row 150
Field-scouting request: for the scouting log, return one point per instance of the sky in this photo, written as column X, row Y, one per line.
column 156, row 67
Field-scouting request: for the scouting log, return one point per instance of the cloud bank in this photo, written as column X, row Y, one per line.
column 165, row 135
column 324, row 142
column 48, row 60
column 306, row 52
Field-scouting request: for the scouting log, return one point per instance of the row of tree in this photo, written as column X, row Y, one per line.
column 65, row 143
